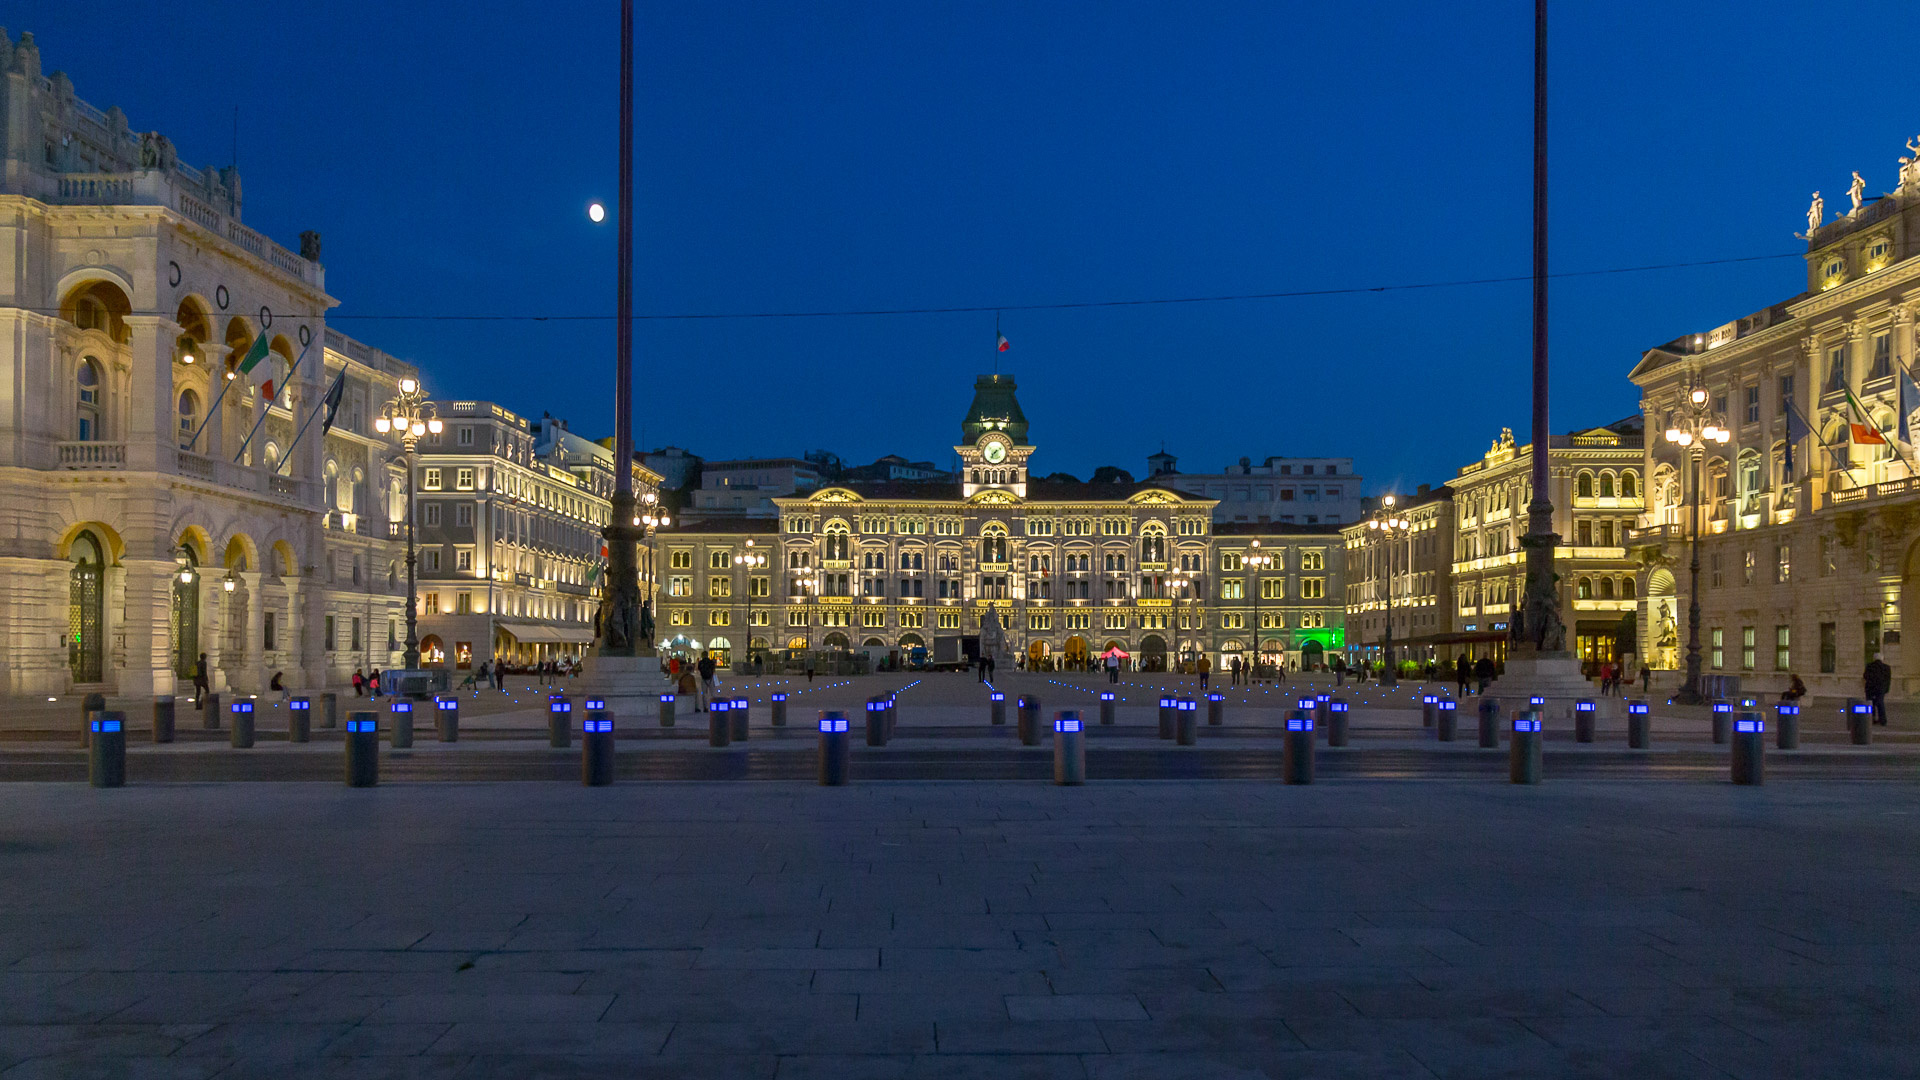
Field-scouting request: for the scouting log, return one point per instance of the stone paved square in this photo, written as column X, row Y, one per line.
column 1230, row 929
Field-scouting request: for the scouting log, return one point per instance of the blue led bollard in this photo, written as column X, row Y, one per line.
column 719, row 724
column 241, row 737
column 107, row 749
column 1106, row 708
column 363, row 750
column 1860, row 721
column 1446, row 719
column 1027, row 718
column 1525, row 756
column 1069, row 749
column 1584, row 711
column 1337, row 709
column 1169, row 708
column 596, row 745
column 1749, row 749
column 834, row 749
column 1185, row 713
column 777, row 710
column 997, row 708
column 1428, row 712
column 876, row 721
column 559, row 722
column 299, row 719
column 1722, row 722
column 1786, row 725
column 400, row 720
column 1216, row 709
column 1296, row 754
column 1639, row 726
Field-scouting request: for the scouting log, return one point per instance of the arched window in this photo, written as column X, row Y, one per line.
column 87, row 400
column 1629, row 485
column 189, row 407
column 1606, row 485
column 1606, row 588
column 1584, row 590
column 85, row 609
column 1583, row 487
column 1626, row 588
column 838, row 543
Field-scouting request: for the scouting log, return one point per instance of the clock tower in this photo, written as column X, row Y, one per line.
column 994, row 455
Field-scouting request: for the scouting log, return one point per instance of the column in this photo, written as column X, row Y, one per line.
column 147, row 627
column 148, row 401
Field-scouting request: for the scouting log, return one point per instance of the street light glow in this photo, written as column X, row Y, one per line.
column 596, row 212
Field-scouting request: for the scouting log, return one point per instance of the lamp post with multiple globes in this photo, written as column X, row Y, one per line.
column 410, row 416
column 1692, row 433
column 1388, row 526
column 1255, row 561
column 750, row 560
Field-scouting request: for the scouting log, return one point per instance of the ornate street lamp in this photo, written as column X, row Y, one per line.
column 750, row 560
column 1692, row 433
column 1388, row 526
column 410, row 416
column 1255, row 561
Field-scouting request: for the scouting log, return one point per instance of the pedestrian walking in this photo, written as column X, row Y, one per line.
column 1878, row 680
column 373, row 684
column 1233, row 669
column 1463, row 673
column 359, row 682
column 277, row 688
column 707, row 684
column 1646, row 679
column 1206, row 668
column 200, row 687
column 1483, row 671
column 1112, row 664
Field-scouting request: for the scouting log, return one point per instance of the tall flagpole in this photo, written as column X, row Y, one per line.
column 618, row 624
column 1541, row 627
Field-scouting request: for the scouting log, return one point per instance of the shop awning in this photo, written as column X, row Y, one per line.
column 542, row 633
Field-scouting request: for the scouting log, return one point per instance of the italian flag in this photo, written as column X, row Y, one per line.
column 1863, row 430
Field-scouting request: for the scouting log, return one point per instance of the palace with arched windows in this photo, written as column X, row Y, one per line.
column 1068, row 569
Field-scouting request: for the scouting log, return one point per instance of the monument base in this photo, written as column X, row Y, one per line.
column 630, row 685
column 1553, row 676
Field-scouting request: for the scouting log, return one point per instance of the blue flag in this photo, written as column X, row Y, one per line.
column 1909, row 410
column 1797, row 429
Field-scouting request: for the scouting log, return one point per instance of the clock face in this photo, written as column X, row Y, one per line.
column 994, row 452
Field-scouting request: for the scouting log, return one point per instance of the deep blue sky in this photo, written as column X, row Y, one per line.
column 830, row 156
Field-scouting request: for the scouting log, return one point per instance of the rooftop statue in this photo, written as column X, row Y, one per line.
column 1855, row 191
column 1815, row 213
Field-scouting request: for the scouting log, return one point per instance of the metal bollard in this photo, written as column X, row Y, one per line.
column 833, row 749
column 719, row 724
column 893, row 716
column 299, row 720
column 1749, row 749
column 1524, row 755
column 107, row 749
column 400, row 725
column 737, row 715
column 1106, row 708
column 560, row 722
column 1322, row 709
column 596, row 745
column 777, row 710
column 1337, row 722
column 876, row 721
column 1069, row 748
column 1296, row 757
column 1183, row 721
column 241, row 737
column 210, row 712
column 92, row 703
column 163, row 720
column 1583, row 713
column 997, row 708
column 363, row 750
column 666, row 710
column 446, row 717
column 1446, row 719
column 1216, row 710
column 1169, row 708
column 1428, row 708
column 329, row 709
column 1722, row 721
column 1639, row 726
column 1027, row 716
column 1786, row 731
column 1489, row 718
column 1860, row 721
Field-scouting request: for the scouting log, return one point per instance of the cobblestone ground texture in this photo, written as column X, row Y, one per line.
column 1361, row 928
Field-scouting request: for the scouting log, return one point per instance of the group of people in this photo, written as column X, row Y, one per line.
column 700, row 679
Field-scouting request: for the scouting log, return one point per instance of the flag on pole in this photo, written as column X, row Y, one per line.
column 1797, row 429
column 332, row 401
column 1003, row 345
column 1864, row 431
column 254, row 354
column 1909, row 410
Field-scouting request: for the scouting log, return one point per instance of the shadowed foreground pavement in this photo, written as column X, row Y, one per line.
column 1234, row 929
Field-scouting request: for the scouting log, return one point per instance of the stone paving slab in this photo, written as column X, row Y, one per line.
column 1360, row 929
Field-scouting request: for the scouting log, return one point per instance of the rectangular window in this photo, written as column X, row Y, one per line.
column 430, row 605
column 1313, row 588
column 353, row 631
column 463, row 559
column 1747, row 563
column 430, row 514
column 1882, row 357
column 1718, row 639
column 719, row 618
column 873, row 587
column 1870, row 632
column 1748, row 642
column 1713, row 569
column 1273, row 589
column 327, row 633
column 268, row 623
column 1753, row 404
column 393, row 634
column 719, row 588
column 463, row 479
column 430, row 479
column 430, row 560
column 1786, row 393
column 1782, row 653
column 680, row 585
column 1783, row 563
column 1836, row 369
column 463, row 515
column 1829, row 647
column 1232, row 589
column 463, row 603
column 466, row 435
column 759, row 586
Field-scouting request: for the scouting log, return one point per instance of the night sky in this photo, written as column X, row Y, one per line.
column 881, row 155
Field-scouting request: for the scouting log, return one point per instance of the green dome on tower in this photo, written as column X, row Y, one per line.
column 994, row 408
